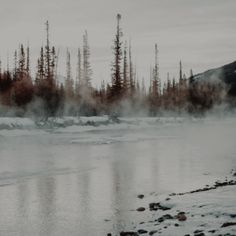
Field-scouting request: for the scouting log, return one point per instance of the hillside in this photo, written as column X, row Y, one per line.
column 226, row 73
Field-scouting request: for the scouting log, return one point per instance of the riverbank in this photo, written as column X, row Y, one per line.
column 210, row 210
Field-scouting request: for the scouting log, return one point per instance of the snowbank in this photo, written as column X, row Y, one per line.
column 16, row 123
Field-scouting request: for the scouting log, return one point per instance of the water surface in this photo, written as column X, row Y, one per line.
column 73, row 182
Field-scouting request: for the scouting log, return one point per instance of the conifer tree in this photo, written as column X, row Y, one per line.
column 69, row 81
column 28, row 60
column 125, row 72
column 15, row 65
column 21, row 65
column 47, row 55
column 79, row 69
column 143, row 89
column 131, row 72
column 87, row 71
column 0, row 69
column 155, row 79
column 116, row 89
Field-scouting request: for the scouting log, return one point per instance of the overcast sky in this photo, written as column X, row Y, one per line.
column 202, row 33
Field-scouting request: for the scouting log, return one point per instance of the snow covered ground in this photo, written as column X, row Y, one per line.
column 81, row 176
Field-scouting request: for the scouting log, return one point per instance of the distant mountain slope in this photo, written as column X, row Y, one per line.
column 226, row 73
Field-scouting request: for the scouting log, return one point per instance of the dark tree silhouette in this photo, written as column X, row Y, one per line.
column 116, row 89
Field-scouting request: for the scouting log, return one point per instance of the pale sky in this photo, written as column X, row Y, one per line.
column 202, row 33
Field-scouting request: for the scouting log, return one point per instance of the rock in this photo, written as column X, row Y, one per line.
column 109, row 234
column 157, row 206
column 152, row 232
column 227, row 224
column 140, row 209
column 130, row 233
column 140, row 196
column 212, row 231
column 181, row 216
column 165, row 217
column 198, row 233
column 142, row 231
column 176, row 225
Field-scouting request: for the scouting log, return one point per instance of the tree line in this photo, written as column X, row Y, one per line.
column 44, row 95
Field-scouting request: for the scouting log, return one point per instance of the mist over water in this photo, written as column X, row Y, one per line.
column 75, row 181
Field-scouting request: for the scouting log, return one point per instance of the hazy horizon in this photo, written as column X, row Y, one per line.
column 200, row 33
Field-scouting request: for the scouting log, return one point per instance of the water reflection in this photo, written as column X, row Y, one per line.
column 46, row 192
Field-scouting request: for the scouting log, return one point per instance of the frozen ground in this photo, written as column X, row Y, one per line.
column 81, row 176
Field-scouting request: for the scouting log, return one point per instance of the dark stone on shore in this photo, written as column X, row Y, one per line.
column 181, row 216
column 157, row 206
column 212, row 231
column 140, row 196
column 142, row 231
column 176, row 225
column 198, row 233
column 165, row 217
column 232, row 215
column 215, row 186
column 140, row 209
column 152, row 232
column 168, row 199
column 227, row 224
column 109, row 234
column 225, row 183
column 130, row 233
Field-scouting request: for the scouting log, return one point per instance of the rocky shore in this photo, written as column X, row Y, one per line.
column 210, row 210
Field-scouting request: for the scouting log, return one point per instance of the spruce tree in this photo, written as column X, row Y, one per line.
column 116, row 89
column 87, row 71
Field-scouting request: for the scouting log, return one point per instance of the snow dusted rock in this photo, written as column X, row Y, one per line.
column 140, row 196
column 227, row 224
column 165, row 217
column 181, row 216
column 142, row 231
column 130, row 233
column 198, row 233
column 152, row 232
column 141, row 209
column 158, row 206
